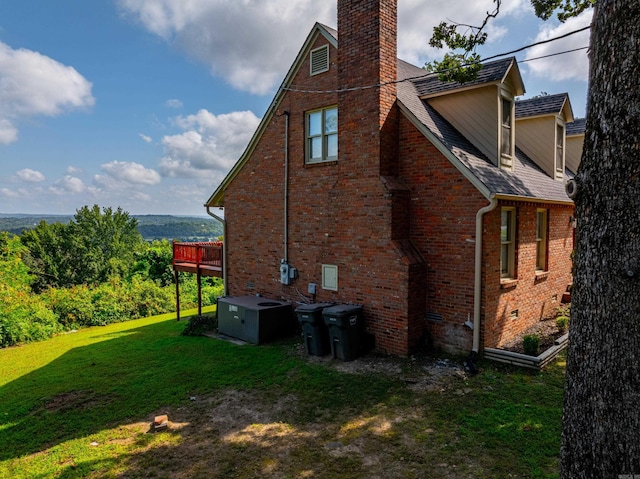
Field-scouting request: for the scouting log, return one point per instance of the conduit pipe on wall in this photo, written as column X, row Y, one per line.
column 286, row 187
column 224, row 248
column 477, row 287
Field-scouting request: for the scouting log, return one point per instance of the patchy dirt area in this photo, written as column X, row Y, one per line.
column 239, row 434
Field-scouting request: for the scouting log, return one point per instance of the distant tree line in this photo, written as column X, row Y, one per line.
column 151, row 227
column 92, row 270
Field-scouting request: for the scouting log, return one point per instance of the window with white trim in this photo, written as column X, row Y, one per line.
column 559, row 150
column 506, row 121
column 322, row 135
column 541, row 239
column 508, row 243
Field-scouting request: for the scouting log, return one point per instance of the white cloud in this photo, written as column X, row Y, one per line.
column 71, row 170
column 251, row 44
column 8, row 132
column 173, row 103
column 569, row 66
column 416, row 22
column 32, row 84
column 210, row 144
column 30, row 176
column 145, row 138
column 121, row 174
column 241, row 41
column 68, row 185
column 19, row 193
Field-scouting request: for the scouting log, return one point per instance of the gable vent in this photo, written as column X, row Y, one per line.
column 319, row 60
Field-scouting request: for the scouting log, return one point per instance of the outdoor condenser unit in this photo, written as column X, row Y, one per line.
column 254, row 319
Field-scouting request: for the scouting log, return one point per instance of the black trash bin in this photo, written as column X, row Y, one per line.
column 345, row 330
column 314, row 331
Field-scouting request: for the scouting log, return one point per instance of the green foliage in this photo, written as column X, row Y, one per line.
column 566, row 8
column 153, row 261
column 72, row 306
column 198, row 325
column 562, row 322
column 94, row 246
column 24, row 317
column 211, row 290
column 13, row 271
column 105, row 242
column 531, row 344
column 150, row 298
column 464, row 67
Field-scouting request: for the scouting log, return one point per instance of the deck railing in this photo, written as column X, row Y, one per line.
column 202, row 253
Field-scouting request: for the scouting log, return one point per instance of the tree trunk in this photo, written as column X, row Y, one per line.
column 601, row 421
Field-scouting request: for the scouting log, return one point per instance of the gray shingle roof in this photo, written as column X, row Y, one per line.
column 489, row 73
column 576, row 127
column 543, row 105
column 527, row 180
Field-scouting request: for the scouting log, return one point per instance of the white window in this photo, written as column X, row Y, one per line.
column 506, row 143
column 559, row 151
column 508, row 243
column 322, row 135
column 541, row 239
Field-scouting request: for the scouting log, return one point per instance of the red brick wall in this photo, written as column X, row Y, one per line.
column 443, row 209
column 535, row 297
column 340, row 213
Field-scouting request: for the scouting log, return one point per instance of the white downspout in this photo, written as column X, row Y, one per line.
column 224, row 249
column 477, row 287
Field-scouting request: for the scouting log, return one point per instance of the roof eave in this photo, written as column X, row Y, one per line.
column 533, row 199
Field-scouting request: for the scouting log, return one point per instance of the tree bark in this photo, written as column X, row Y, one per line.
column 601, row 420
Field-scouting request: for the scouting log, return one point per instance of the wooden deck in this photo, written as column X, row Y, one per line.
column 201, row 259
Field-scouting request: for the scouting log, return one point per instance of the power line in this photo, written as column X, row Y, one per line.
column 541, row 42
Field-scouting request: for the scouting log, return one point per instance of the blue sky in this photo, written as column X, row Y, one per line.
column 146, row 104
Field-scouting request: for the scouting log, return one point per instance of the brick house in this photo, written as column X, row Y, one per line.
column 439, row 207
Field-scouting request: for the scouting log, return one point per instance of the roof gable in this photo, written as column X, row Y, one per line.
column 217, row 198
column 491, row 73
column 557, row 104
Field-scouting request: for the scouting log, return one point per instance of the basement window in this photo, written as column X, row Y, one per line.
column 319, row 60
column 322, row 135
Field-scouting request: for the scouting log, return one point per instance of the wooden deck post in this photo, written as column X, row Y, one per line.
column 176, row 273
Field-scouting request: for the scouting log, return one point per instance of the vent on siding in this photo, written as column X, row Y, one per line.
column 319, row 60
column 433, row 316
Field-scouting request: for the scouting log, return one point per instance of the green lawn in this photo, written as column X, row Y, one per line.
column 79, row 405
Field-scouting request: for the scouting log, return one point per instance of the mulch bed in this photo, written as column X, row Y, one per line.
column 545, row 329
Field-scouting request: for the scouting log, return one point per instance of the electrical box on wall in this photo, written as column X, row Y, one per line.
column 284, row 273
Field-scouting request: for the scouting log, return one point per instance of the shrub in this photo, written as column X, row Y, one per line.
column 531, row 344
column 112, row 303
column 563, row 323
column 24, row 317
column 149, row 298
column 73, row 306
column 197, row 325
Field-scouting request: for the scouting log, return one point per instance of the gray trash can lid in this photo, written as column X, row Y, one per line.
column 342, row 309
column 312, row 307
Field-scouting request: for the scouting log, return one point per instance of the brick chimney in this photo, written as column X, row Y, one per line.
column 367, row 57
